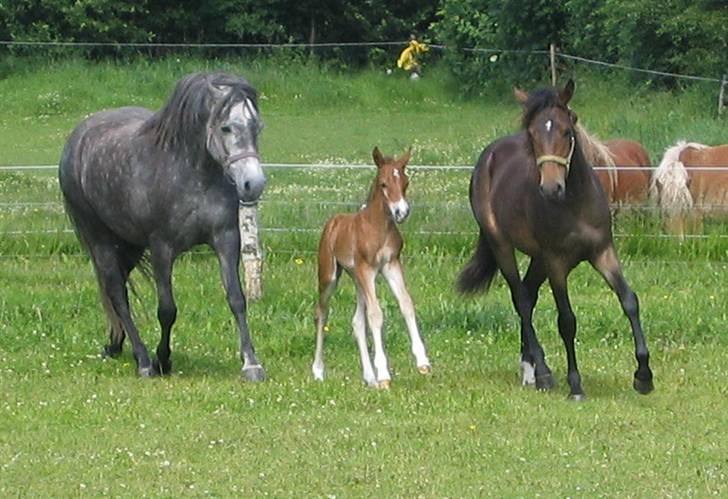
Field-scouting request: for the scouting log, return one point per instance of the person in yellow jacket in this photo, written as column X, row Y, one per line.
column 408, row 58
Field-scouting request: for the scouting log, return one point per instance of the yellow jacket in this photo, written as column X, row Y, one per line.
column 407, row 60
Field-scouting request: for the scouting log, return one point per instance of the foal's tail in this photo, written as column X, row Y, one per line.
column 479, row 271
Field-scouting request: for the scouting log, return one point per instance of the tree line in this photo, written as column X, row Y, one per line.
column 683, row 36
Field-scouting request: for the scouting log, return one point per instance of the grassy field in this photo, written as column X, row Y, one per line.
column 74, row 424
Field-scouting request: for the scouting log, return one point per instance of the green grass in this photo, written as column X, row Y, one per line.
column 74, row 424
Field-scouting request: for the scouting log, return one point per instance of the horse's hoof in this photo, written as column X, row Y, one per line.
column 643, row 386
column 147, row 372
column 384, row 384
column 112, row 351
column 253, row 374
column 545, row 382
column 163, row 368
column 577, row 397
column 426, row 369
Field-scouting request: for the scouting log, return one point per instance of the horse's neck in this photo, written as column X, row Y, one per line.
column 376, row 211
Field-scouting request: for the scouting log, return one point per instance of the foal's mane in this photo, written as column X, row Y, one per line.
column 197, row 100
column 597, row 153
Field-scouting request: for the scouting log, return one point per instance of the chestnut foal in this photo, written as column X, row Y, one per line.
column 365, row 243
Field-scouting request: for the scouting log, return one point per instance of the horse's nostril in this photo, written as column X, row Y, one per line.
column 246, row 185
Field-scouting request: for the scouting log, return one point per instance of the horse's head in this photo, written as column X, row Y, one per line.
column 232, row 137
column 392, row 183
column 549, row 124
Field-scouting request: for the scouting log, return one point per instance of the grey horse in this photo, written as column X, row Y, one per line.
column 145, row 186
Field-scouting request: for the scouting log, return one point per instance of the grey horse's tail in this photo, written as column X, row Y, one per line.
column 479, row 272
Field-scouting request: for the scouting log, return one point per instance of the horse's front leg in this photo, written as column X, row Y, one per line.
column 393, row 274
column 535, row 276
column 365, row 282
column 162, row 258
column 567, row 329
column 227, row 246
column 531, row 349
column 607, row 264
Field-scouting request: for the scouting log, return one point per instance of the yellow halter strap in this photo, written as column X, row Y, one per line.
column 560, row 160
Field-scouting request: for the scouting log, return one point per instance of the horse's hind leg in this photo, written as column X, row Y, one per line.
column 329, row 273
column 116, row 329
column 607, row 264
column 393, row 274
column 112, row 272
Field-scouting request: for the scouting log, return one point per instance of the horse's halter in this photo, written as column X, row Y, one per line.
column 237, row 157
column 560, row 160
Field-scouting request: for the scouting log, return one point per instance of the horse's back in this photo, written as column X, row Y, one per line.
column 708, row 172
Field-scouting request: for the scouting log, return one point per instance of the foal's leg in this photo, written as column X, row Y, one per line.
column 112, row 278
column 607, row 264
column 365, row 278
column 523, row 303
column 329, row 274
column 393, row 274
column 227, row 247
column 567, row 329
column 359, row 328
column 162, row 257
column 535, row 275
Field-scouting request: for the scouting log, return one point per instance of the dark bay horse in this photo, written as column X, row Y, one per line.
column 134, row 180
column 535, row 192
column 690, row 183
column 364, row 244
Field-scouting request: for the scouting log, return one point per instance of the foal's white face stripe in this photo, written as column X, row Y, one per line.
column 549, row 124
column 395, row 173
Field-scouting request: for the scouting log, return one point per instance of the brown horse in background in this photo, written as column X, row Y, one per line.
column 364, row 244
column 690, row 183
column 535, row 192
column 622, row 167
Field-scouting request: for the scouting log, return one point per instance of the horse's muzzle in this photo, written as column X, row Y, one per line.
column 249, row 179
column 553, row 191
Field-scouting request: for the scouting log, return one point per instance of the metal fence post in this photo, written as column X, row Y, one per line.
column 721, row 95
column 552, row 56
column 250, row 251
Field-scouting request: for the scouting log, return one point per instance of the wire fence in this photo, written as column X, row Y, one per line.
column 394, row 43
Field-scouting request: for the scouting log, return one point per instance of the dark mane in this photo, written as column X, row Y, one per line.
column 540, row 100
column 181, row 123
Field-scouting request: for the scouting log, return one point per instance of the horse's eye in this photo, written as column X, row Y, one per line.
column 383, row 185
column 226, row 129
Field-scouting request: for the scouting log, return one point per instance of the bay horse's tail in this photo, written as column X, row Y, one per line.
column 669, row 184
column 480, row 270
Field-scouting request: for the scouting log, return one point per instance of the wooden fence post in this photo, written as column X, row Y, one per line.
column 552, row 56
column 250, row 250
column 721, row 95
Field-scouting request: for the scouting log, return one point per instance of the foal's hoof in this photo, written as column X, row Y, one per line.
column 577, row 397
column 426, row 369
column 112, row 351
column 384, row 384
column 163, row 368
column 643, row 386
column 253, row 374
column 545, row 382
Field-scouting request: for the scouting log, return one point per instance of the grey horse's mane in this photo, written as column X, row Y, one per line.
column 197, row 101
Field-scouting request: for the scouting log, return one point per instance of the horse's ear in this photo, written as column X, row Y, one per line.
column 567, row 92
column 520, row 95
column 404, row 159
column 378, row 158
